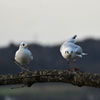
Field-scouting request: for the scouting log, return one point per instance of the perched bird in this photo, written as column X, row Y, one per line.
column 71, row 51
column 23, row 55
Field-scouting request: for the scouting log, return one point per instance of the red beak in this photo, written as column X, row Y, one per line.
column 27, row 45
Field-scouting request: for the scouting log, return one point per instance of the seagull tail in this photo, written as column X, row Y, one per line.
column 79, row 56
column 84, row 53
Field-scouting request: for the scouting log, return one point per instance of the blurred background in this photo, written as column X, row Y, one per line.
column 45, row 25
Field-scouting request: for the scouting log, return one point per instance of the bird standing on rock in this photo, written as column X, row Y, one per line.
column 23, row 55
column 71, row 51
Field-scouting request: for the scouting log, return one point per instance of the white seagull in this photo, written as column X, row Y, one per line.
column 23, row 55
column 71, row 51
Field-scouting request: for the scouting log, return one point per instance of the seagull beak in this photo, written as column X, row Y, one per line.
column 27, row 46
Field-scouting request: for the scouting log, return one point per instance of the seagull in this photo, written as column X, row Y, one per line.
column 23, row 55
column 70, row 51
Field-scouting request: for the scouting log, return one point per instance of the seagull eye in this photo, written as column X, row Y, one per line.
column 66, row 52
column 23, row 44
column 71, row 51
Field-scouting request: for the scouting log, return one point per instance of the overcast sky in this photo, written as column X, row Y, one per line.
column 48, row 21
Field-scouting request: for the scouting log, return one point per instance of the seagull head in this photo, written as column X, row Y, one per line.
column 24, row 45
column 69, row 52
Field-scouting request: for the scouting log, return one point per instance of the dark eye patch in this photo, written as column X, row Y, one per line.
column 23, row 44
column 71, row 51
column 66, row 52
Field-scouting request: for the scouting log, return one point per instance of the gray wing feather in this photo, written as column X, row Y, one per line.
column 31, row 54
column 72, row 39
column 78, row 50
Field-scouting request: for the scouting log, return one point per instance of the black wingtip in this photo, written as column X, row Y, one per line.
column 74, row 36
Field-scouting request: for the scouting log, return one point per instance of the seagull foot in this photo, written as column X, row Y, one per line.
column 68, row 69
column 75, row 69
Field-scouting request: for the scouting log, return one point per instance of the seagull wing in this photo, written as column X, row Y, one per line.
column 31, row 54
column 72, row 39
column 78, row 50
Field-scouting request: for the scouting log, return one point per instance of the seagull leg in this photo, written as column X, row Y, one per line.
column 28, row 67
column 75, row 69
column 74, row 64
column 68, row 66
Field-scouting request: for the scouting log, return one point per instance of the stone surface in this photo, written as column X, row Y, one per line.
column 78, row 78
